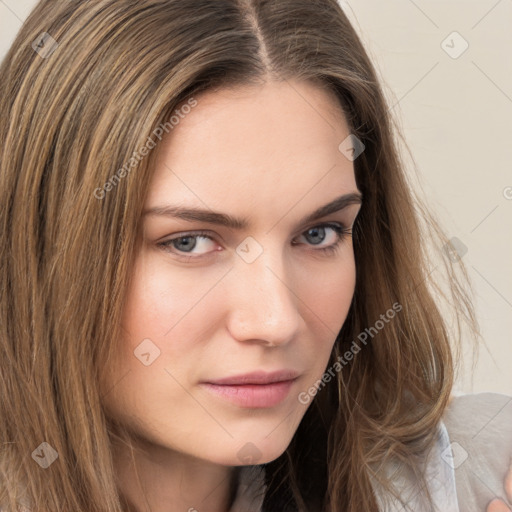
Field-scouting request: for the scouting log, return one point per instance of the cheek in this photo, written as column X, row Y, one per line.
column 329, row 296
column 328, row 292
column 326, row 295
column 163, row 321
column 168, row 315
column 162, row 298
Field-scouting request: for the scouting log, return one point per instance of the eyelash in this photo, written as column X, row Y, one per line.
column 342, row 232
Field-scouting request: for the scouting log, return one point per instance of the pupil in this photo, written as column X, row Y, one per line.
column 317, row 231
column 187, row 245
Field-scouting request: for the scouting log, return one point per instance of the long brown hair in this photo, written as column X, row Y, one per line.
column 85, row 86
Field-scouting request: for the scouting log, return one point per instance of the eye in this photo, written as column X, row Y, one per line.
column 186, row 243
column 196, row 244
column 317, row 235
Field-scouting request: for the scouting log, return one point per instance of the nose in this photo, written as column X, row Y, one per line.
column 262, row 302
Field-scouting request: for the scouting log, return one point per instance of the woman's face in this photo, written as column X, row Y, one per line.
column 210, row 302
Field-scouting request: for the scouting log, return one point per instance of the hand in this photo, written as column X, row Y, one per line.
column 498, row 505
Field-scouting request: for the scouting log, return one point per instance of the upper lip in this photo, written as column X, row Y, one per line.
column 258, row 377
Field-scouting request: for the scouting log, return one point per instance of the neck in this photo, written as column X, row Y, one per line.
column 158, row 479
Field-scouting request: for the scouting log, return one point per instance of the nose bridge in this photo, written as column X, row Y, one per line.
column 264, row 306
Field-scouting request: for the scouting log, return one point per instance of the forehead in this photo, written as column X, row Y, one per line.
column 257, row 146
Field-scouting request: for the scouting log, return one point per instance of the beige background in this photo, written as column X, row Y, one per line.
column 455, row 110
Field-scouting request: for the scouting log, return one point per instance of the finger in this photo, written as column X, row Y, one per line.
column 497, row 505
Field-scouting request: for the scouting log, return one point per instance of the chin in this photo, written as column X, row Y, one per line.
column 259, row 451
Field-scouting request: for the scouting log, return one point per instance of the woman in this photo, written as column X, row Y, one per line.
column 215, row 291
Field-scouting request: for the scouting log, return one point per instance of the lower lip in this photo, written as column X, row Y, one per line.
column 256, row 396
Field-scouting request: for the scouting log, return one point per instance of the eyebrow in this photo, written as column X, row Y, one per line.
column 223, row 219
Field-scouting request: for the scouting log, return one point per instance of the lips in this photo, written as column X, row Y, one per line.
column 258, row 377
column 255, row 390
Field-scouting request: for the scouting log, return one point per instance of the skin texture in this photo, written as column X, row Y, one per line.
column 268, row 154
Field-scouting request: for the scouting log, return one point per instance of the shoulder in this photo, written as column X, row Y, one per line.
column 479, row 427
column 481, row 421
column 473, row 413
column 467, row 465
column 439, row 477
